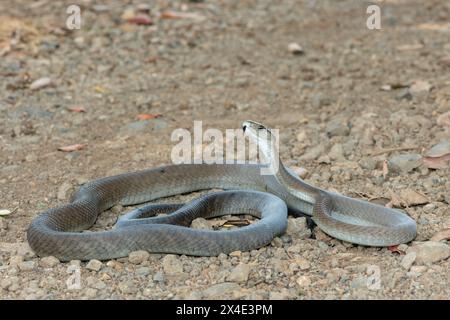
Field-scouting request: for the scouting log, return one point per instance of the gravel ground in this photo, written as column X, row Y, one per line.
column 357, row 110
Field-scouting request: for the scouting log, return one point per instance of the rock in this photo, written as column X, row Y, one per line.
column 419, row 87
column 295, row 48
column 201, row 223
column 404, row 162
column 303, row 281
column 95, row 283
column 49, row 262
column 143, row 271
column 302, row 263
column 41, row 83
column 313, row 153
column 277, row 242
column 284, row 294
column 297, row 228
column 239, row 273
column 418, row 269
column 172, row 265
column 404, row 94
column 5, row 283
column 359, row 283
column 137, row 257
column 336, row 152
column 236, row 253
column 337, row 128
column 94, row 265
column 319, row 100
column 408, row 260
column 90, row 293
column 3, row 224
column 27, row 265
column 128, row 287
column 63, row 191
column 220, row 291
column 159, row 277
column 15, row 260
column 368, row 163
column 441, row 235
column 430, row 252
column 444, row 119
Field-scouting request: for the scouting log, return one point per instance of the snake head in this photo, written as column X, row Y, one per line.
column 263, row 137
column 253, row 128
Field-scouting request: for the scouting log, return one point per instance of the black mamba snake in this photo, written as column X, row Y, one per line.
column 57, row 231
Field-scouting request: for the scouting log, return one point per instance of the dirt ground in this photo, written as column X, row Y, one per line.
column 347, row 106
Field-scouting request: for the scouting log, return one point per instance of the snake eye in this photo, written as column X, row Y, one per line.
column 260, row 127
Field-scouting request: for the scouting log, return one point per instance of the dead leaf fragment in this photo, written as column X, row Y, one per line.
column 438, row 157
column 408, row 197
column 441, row 235
column 41, row 83
column 395, row 249
column 77, row 109
column 73, row 147
column 437, row 162
column 140, row 19
column 148, row 116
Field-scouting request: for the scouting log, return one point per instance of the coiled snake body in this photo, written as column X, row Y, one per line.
column 57, row 231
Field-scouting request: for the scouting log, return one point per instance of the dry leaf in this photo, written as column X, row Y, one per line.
column 140, row 19
column 441, row 235
column 77, row 109
column 148, row 116
column 413, row 198
column 437, row 162
column 73, row 147
column 408, row 197
column 40, row 83
column 395, row 249
column 181, row 15
column 438, row 157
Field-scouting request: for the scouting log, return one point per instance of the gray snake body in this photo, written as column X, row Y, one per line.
column 57, row 231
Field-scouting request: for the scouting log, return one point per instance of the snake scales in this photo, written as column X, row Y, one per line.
column 57, row 231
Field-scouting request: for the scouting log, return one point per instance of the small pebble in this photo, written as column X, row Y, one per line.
column 94, row 265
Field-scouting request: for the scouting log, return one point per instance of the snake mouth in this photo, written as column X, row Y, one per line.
column 249, row 124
